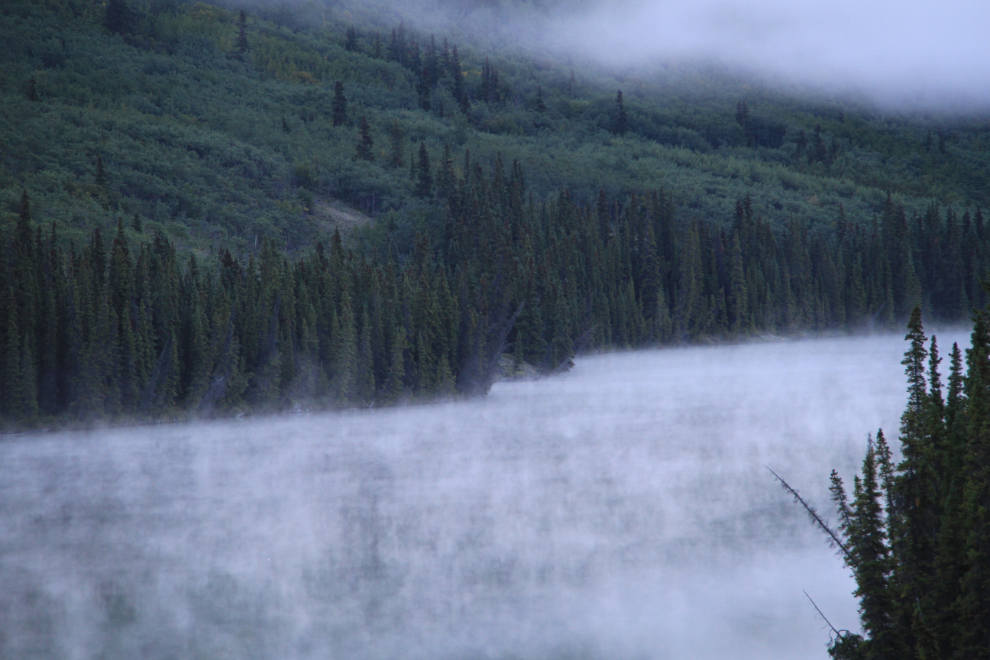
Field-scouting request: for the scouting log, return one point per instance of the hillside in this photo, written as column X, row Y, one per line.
column 319, row 207
column 218, row 145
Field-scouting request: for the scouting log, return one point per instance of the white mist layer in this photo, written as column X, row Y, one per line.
column 620, row 511
column 911, row 53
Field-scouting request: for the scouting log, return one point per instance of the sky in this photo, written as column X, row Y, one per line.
column 912, row 52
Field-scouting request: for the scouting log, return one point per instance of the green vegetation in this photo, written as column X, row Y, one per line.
column 915, row 534
column 511, row 205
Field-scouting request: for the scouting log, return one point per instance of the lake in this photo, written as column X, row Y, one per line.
column 621, row 510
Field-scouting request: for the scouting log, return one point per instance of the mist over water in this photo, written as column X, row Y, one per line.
column 619, row 511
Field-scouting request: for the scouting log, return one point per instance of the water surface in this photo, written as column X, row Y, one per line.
column 621, row 510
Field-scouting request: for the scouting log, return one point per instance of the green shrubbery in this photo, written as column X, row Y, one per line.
column 212, row 132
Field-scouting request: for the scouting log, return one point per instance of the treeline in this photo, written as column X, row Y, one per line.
column 133, row 328
column 103, row 332
column 917, row 534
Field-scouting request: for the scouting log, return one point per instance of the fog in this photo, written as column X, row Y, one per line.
column 905, row 55
column 912, row 52
column 621, row 510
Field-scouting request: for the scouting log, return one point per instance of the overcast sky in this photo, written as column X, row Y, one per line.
column 916, row 51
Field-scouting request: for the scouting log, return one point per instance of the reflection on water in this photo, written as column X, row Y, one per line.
column 619, row 511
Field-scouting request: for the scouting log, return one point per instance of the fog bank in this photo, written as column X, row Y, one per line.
column 911, row 53
column 619, row 511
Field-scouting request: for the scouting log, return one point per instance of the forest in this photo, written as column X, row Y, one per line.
column 207, row 210
column 914, row 532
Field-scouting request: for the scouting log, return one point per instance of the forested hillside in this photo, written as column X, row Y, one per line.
column 206, row 209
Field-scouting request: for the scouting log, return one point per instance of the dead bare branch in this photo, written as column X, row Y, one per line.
column 824, row 618
column 834, row 539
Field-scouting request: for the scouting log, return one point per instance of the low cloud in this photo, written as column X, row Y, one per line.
column 914, row 53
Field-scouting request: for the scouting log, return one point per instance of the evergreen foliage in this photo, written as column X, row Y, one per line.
column 32, row 90
column 424, row 179
column 339, row 104
column 116, row 15
column 241, row 44
column 915, row 533
column 398, row 148
column 529, row 235
column 193, row 137
column 621, row 124
column 365, row 145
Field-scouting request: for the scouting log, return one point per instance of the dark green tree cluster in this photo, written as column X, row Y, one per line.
column 138, row 330
column 621, row 124
column 241, row 44
column 491, row 90
column 432, row 67
column 339, row 104
column 117, row 16
column 114, row 331
column 917, row 534
column 632, row 274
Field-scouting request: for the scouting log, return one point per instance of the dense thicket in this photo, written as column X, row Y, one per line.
column 215, row 146
column 916, row 534
column 131, row 327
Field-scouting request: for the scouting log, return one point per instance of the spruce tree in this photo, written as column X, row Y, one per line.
column 457, row 76
column 101, row 173
column 393, row 387
column 800, row 142
column 13, row 382
column 742, row 113
column 424, row 178
column 446, row 178
column 339, row 106
column 973, row 625
column 241, row 44
column 398, row 148
column 344, row 354
column 950, row 560
column 913, row 540
column 351, row 40
column 540, row 106
column 365, row 145
column 621, row 123
column 364, row 374
column 32, row 90
column 867, row 540
column 738, row 312
column 28, row 398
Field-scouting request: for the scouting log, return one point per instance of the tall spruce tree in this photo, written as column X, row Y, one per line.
column 424, row 178
column 339, row 105
column 365, row 145
column 973, row 624
column 398, row 148
column 351, row 39
column 241, row 43
column 32, row 90
column 620, row 124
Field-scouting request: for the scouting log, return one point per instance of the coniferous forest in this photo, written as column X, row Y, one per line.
column 915, row 532
column 209, row 210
